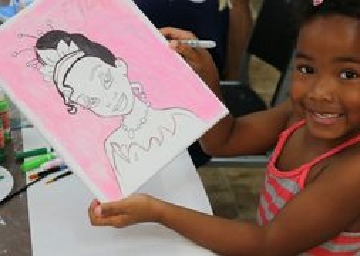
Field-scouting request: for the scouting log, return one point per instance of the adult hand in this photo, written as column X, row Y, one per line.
column 199, row 59
column 131, row 210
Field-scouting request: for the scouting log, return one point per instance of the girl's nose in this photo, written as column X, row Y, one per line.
column 323, row 90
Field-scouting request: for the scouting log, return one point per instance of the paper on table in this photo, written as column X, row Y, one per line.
column 60, row 226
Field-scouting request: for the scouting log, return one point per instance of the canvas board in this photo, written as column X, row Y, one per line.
column 101, row 84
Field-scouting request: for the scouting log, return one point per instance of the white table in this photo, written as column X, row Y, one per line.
column 59, row 224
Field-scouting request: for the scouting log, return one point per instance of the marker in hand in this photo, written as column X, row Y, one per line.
column 194, row 43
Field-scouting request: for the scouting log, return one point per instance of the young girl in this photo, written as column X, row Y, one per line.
column 310, row 201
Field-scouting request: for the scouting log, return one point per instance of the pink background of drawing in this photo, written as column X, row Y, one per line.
column 166, row 80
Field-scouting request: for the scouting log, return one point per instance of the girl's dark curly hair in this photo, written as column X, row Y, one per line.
column 304, row 10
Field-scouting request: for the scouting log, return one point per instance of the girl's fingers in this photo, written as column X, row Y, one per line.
column 98, row 219
column 94, row 203
column 176, row 34
column 113, row 208
column 118, row 221
column 128, row 211
column 91, row 210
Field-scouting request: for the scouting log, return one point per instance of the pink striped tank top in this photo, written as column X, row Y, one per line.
column 280, row 187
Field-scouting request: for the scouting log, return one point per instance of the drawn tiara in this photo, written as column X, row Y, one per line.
column 33, row 62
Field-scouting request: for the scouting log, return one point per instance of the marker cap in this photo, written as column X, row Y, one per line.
column 4, row 105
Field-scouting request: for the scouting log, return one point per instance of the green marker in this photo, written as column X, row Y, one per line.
column 33, row 152
column 2, row 177
column 36, row 162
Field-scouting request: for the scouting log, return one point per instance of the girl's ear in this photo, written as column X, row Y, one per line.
column 121, row 65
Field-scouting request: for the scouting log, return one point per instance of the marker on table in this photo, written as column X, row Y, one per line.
column 36, row 162
column 194, row 43
column 61, row 176
column 31, row 183
column 47, row 172
column 52, row 163
column 33, row 152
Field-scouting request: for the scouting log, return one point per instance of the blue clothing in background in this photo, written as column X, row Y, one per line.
column 202, row 17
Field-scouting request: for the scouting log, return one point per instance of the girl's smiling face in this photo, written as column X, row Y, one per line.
column 100, row 87
column 326, row 76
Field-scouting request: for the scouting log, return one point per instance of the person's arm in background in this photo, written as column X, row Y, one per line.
column 239, row 32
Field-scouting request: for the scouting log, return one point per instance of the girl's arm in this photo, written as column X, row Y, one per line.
column 328, row 206
column 217, row 234
column 251, row 134
column 254, row 133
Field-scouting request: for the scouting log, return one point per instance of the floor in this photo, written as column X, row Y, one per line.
column 234, row 191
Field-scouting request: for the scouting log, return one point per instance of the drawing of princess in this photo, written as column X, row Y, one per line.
column 88, row 75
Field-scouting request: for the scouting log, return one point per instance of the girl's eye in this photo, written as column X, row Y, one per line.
column 349, row 74
column 304, row 69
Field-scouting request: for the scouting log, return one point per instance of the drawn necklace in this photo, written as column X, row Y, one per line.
column 131, row 131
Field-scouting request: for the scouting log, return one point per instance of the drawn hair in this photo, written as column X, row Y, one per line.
column 79, row 46
column 51, row 39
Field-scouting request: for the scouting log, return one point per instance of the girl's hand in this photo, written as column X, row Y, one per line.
column 134, row 209
column 199, row 59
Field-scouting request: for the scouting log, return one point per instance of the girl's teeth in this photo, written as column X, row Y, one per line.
column 326, row 115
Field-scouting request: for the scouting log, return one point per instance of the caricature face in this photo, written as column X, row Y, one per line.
column 100, row 87
column 326, row 77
